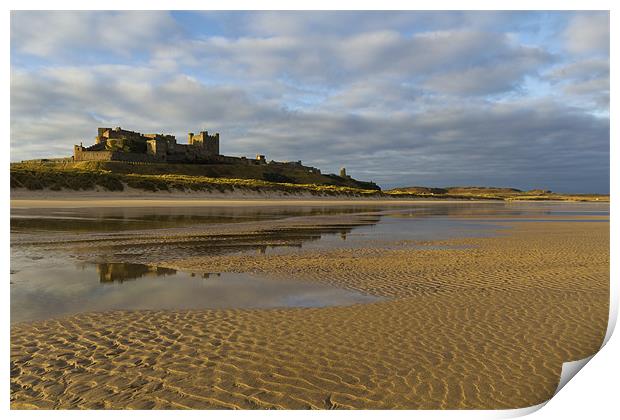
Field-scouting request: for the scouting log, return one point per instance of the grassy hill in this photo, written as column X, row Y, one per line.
column 270, row 173
column 117, row 176
column 492, row 193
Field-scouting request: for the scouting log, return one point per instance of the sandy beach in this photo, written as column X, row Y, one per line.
column 21, row 198
column 468, row 323
column 163, row 202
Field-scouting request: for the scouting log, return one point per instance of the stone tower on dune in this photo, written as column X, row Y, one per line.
column 210, row 143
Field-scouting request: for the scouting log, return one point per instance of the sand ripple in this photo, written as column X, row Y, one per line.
column 487, row 326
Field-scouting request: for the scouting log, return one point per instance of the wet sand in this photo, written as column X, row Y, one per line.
column 155, row 201
column 487, row 325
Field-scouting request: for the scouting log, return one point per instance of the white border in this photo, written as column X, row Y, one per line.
column 592, row 394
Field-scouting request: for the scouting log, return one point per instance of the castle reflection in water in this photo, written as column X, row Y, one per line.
column 120, row 272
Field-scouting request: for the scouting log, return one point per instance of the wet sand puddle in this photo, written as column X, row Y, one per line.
column 66, row 288
column 45, row 282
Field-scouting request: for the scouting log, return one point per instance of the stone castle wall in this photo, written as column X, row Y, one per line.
column 107, row 155
column 160, row 148
column 135, row 157
column 79, row 154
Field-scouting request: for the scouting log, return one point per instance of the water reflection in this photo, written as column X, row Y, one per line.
column 60, row 288
column 267, row 241
column 45, row 281
column 120, row 272
column 116, row 219
column 370, row 227
column 135, row 218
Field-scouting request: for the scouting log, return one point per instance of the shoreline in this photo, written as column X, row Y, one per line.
column 159, row 202
column 139, row 198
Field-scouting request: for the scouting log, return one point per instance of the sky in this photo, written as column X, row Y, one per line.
column 515, row 99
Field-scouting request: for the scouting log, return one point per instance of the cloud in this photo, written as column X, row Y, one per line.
column 588, row 33
column 424, row 98
column 343, row 23
column 66, row 104
column 71, row 33
column 499, row 77
column 584, row 82
column 459, row 62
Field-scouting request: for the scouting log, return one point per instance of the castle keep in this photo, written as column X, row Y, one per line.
column 116, row 144
column 130, row 146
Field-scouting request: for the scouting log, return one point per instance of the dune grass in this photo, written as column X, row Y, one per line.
column 117, row 176
column 68, row 177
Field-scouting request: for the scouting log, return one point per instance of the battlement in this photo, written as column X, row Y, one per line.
column 211, row 143
column 116, row 144
column 125, row 145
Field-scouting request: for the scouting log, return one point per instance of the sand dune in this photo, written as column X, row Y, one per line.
column 486, row 326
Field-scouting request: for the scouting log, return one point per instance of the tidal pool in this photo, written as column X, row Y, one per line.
column 66, row 287
column 98, row 270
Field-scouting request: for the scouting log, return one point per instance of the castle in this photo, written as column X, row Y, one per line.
column 116, row 144
column 130, row 146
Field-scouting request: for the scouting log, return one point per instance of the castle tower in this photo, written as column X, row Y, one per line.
column 213, row 144
column 209, row 143
column 101, row 134
column 343, row 172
